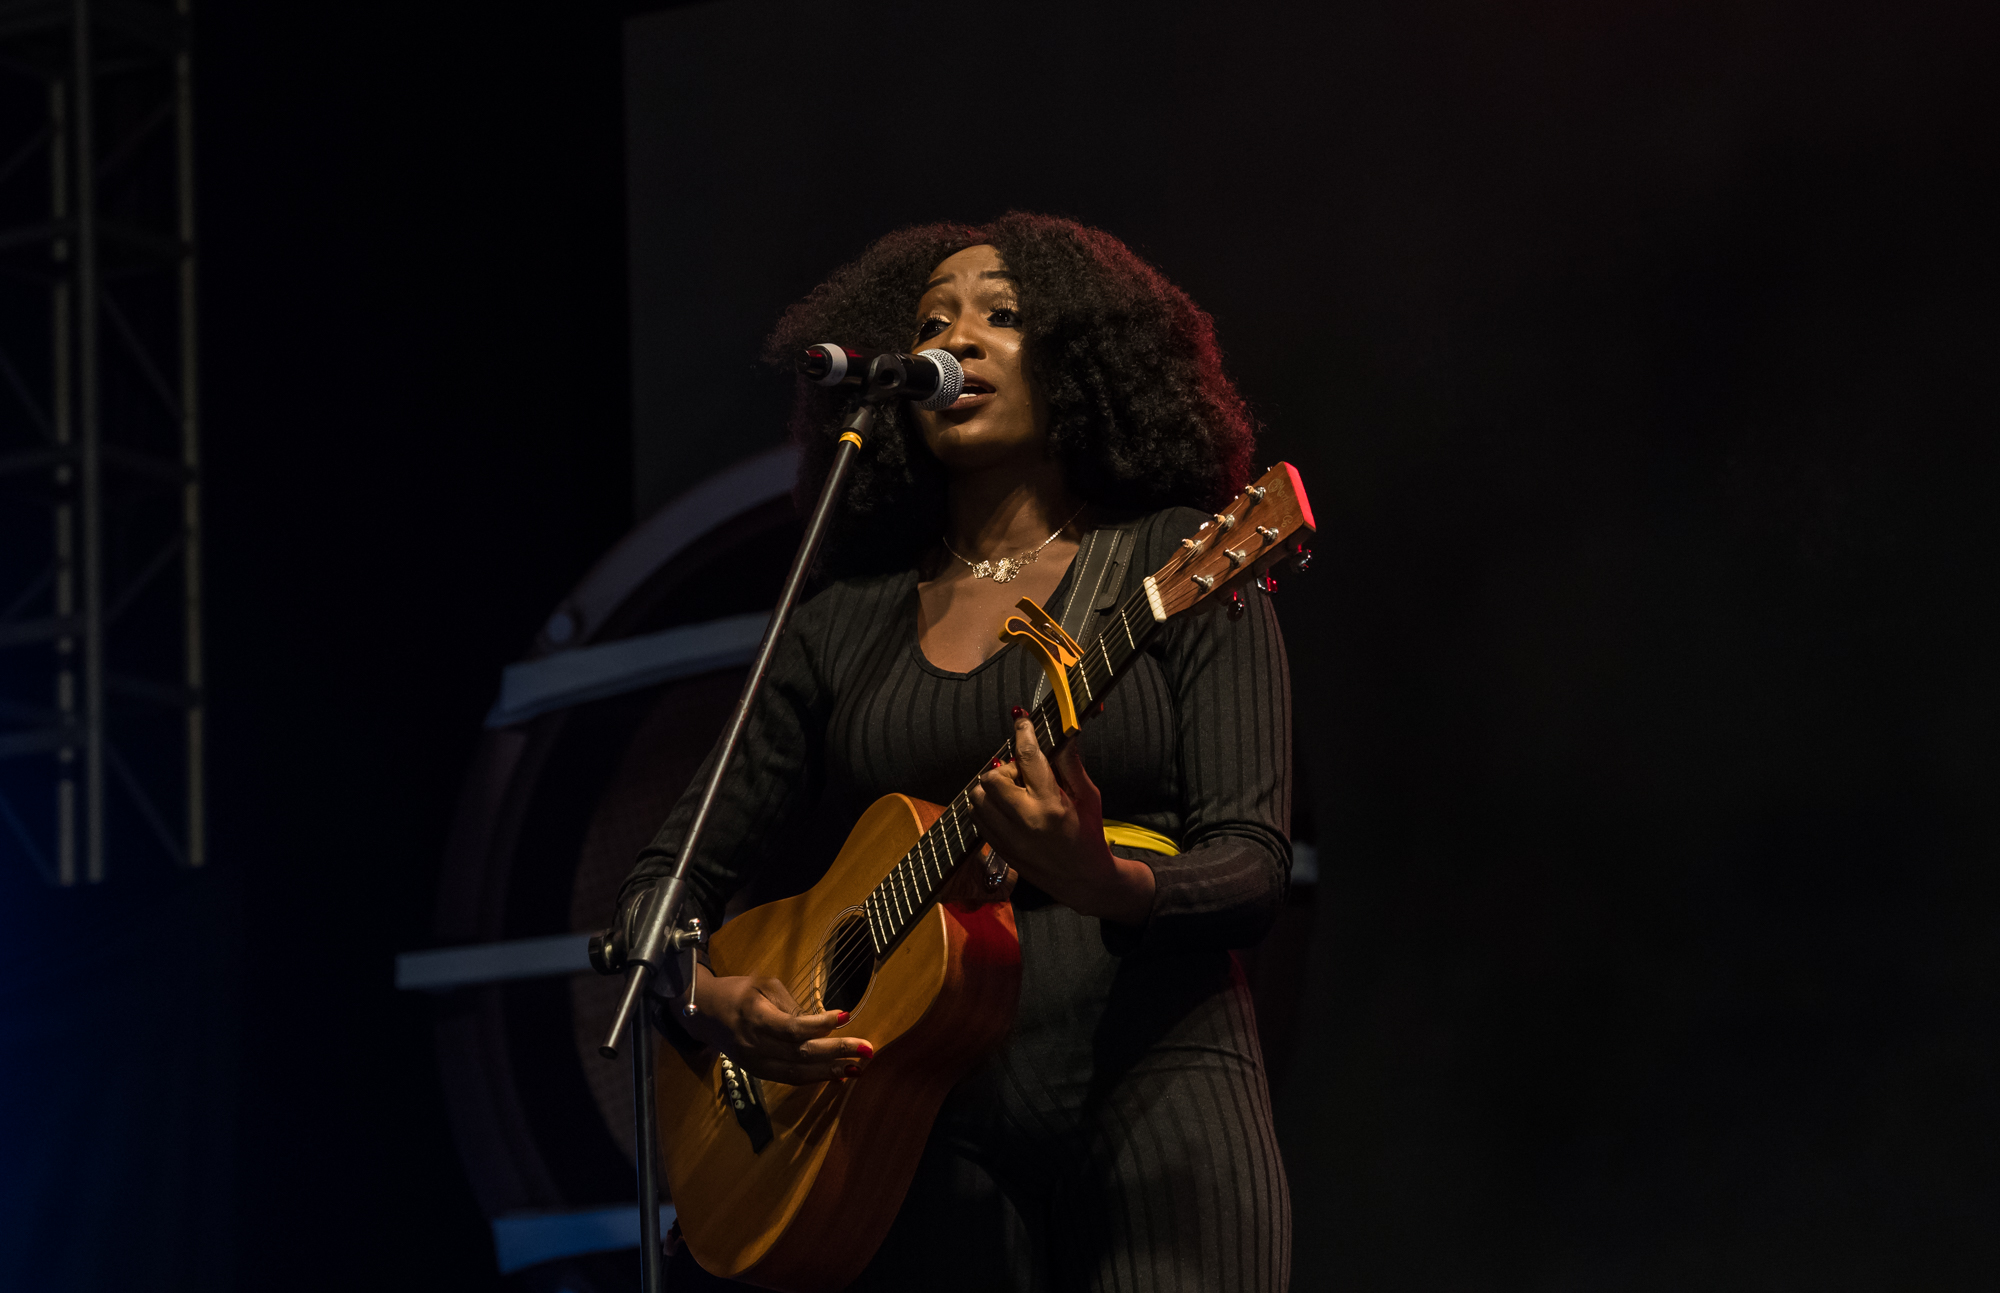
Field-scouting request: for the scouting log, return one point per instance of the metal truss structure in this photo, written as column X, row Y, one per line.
column 100, row 507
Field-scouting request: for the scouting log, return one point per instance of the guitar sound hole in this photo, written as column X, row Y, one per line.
column 848, row 963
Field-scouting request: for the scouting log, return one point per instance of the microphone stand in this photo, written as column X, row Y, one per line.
column 662, row 933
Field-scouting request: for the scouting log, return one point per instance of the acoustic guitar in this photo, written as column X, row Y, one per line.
column 794, row 1187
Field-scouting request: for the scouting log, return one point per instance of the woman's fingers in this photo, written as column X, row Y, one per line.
column 755, row 1022
column 807, row 1027
column 794, row 1048
column 804, row 1072
column 830, row 1057
column 837, row 1054
column 799, row 1032
column 779, row 1027
column 780, row 997
column 1021, row 803
column 999, row 790
column 1028, row 756
column 1069, row 769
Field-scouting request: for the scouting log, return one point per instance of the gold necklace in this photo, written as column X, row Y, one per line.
column 1005, row 569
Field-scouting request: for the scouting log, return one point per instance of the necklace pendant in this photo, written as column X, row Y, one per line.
column 1003, row 570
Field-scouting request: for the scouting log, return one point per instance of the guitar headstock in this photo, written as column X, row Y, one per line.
column 1259, row 529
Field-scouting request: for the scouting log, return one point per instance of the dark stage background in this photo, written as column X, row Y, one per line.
column 1639, row 361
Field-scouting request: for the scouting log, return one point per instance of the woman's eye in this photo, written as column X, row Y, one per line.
column 1005, row 317
column 930, row 328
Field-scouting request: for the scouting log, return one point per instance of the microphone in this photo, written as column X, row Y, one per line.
column 932, row 378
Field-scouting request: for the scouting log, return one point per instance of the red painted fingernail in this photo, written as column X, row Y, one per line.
column 1019, row 713
column 854, row 1070
column 844, row 1016
column 995, row 763
column 865, row 1049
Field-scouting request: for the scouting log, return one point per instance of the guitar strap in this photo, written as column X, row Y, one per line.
column 1100, row 582
column 1100, row 578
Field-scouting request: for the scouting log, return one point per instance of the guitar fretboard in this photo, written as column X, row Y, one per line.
column 907, row 893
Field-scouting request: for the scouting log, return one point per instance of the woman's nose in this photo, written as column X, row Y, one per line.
column 959, row 341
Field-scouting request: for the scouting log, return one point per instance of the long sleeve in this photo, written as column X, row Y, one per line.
column 1232, row 707
column 775, row 774
column 1199, row 747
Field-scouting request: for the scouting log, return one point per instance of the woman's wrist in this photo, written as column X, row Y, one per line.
column 709, row 1000
column 1126, row 897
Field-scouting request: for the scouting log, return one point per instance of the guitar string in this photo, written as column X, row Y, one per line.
column 838, row 954
column 841, row 954
column 910, row 880
column 912, row 875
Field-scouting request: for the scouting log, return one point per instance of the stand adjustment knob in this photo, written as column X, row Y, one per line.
column 607, row 952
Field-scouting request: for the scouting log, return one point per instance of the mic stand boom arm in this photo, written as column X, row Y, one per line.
column 662, row 933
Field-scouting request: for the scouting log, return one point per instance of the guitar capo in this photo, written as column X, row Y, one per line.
column 1056, row 649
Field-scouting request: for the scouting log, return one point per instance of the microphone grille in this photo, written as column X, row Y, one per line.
column 951, row 379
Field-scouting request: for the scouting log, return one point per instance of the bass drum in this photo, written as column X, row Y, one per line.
column 554, row 809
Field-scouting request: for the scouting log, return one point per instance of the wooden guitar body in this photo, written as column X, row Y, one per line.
column 796, row 1189
column 808, row 1210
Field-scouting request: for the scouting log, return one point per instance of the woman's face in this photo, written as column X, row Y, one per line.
column 970, row 308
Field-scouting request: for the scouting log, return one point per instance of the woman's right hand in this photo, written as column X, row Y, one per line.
column 755, row 1022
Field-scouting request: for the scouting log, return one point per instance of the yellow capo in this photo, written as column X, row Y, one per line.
column 1057, row 649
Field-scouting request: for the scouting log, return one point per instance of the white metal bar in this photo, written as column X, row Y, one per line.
column 520, row 958
column 524, row 1239
column 568, row 678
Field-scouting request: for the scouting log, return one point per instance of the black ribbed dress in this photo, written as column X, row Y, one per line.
column 1121, row 1137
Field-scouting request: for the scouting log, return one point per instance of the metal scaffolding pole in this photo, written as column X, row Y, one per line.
column 63, row 384
column 197, row 789
column 102, row 766
column 90, row 481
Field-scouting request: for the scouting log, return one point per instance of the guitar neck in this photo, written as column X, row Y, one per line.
column 901, row 900
column 1224, row 553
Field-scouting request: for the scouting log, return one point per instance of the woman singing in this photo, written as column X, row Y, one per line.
column 1120, row 1138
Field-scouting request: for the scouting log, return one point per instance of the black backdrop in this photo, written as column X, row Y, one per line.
column 1625, row 354
column 1639, row 363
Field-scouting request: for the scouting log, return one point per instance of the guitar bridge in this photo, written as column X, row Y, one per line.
column 745, row 1095
column 740, row 1090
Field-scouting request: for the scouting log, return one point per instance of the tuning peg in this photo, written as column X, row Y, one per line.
column 1237, row 605
column 1302, row 558
column 1266, row 583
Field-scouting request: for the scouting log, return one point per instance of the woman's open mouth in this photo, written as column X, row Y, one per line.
column 974, row 392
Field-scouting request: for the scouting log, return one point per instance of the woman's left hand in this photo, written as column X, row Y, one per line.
column 1047, row 819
